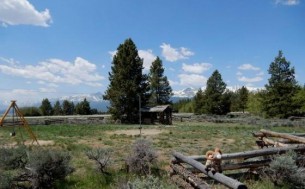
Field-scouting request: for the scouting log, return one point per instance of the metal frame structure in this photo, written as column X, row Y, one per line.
column 23, row 123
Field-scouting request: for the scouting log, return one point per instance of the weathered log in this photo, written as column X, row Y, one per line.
column 250, row 154
column 260, row 134
column 243, row 165
column 229, row 182
column 274, row 143
column 178, row 180
column 287, row 141
column 190, row 177
column 283, row 135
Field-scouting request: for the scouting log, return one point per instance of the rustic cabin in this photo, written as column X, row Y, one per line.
column 158, row 114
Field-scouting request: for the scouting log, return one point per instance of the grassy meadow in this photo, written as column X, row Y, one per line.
column 187, row 138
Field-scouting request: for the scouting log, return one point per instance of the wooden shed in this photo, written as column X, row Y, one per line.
column 161, row 114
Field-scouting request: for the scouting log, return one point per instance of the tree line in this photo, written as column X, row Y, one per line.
column 130, row 88
column 64, row 108
column 282, row 97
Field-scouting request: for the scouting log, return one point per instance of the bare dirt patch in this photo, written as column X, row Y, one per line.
column 133, row 132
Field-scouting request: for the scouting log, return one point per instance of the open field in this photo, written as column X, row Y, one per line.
column 187, row 138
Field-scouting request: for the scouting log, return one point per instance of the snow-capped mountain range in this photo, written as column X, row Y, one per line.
column 96, row 99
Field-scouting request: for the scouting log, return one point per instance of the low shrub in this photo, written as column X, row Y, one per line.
column 283, row 171
column 102, row 158
column 13, row 158
column 142, row 157
column 45, row 167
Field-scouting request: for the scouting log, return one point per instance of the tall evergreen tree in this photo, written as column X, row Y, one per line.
column 83, row 107
column 198, row 102
column 242, row 98
column 67, row 107
column 281, row 87
column 46, row 107
column 57, row 109
column 214, row 101
column 160, row 89
column 127, row 83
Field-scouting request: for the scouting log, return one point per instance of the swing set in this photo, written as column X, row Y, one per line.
column 16, row 119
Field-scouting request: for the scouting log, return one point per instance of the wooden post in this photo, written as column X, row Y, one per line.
column 283, row 135
column 229, row 182
column 250, row 154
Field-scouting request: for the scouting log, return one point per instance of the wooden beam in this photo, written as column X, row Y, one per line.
column 229, row 182
column 190, row 177
column 260, row 134
column 274, row 143
column 178, row 180
column 250, row 154
column 283, row 135
column 243, row 165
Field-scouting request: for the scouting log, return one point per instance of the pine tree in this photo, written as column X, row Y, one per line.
column 57, row 109
column 127, row 83
column 215, row 102
column 198, row 102
column 83, row 107
column 281, row 87
column 46, row 107
column 67, row 107
column 160, row 89
column 242, row 98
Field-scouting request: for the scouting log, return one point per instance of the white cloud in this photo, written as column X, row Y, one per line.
column 15, row 12
column 248, row 67
column 250, row 80
column 287, row 2
column 23, row 97
column 148, row 58
column 57, row 71
column 239, row 73
column 10, row 61
column 196, row 68
column 173, row 83
column 192, row 80
column 261, row 73
column 112, row 53
column 47, row 90
column 172, row 54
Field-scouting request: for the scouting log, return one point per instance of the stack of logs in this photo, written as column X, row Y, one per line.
column 185, row 169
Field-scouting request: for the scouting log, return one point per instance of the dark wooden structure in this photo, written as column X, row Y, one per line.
column 158, row 114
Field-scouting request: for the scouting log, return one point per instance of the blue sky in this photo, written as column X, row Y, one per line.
column 58, row 48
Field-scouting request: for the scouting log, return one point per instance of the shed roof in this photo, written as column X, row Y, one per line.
column 160, row 108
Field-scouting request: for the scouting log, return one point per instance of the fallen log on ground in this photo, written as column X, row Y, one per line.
column 229, row 182
column 243, row 165
column 274, row 143
column 250, row 154
column 190, row 177
column 260, row 134
column 283, row 135
column 178, row 180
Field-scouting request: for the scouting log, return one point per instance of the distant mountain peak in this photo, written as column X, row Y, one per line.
column 188, row 92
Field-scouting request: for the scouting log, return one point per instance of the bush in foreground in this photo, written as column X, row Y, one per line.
column 283, row 171
column 142, row 157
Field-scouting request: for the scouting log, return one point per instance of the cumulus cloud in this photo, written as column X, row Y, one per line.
column 196, row 68
column 23, row 96
column 248, row 67
column 57, row 71
column 173, row 54
column 148, row 57
column 250, row 80
column 192, row 79
column 287, row 2
column 16, row 12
